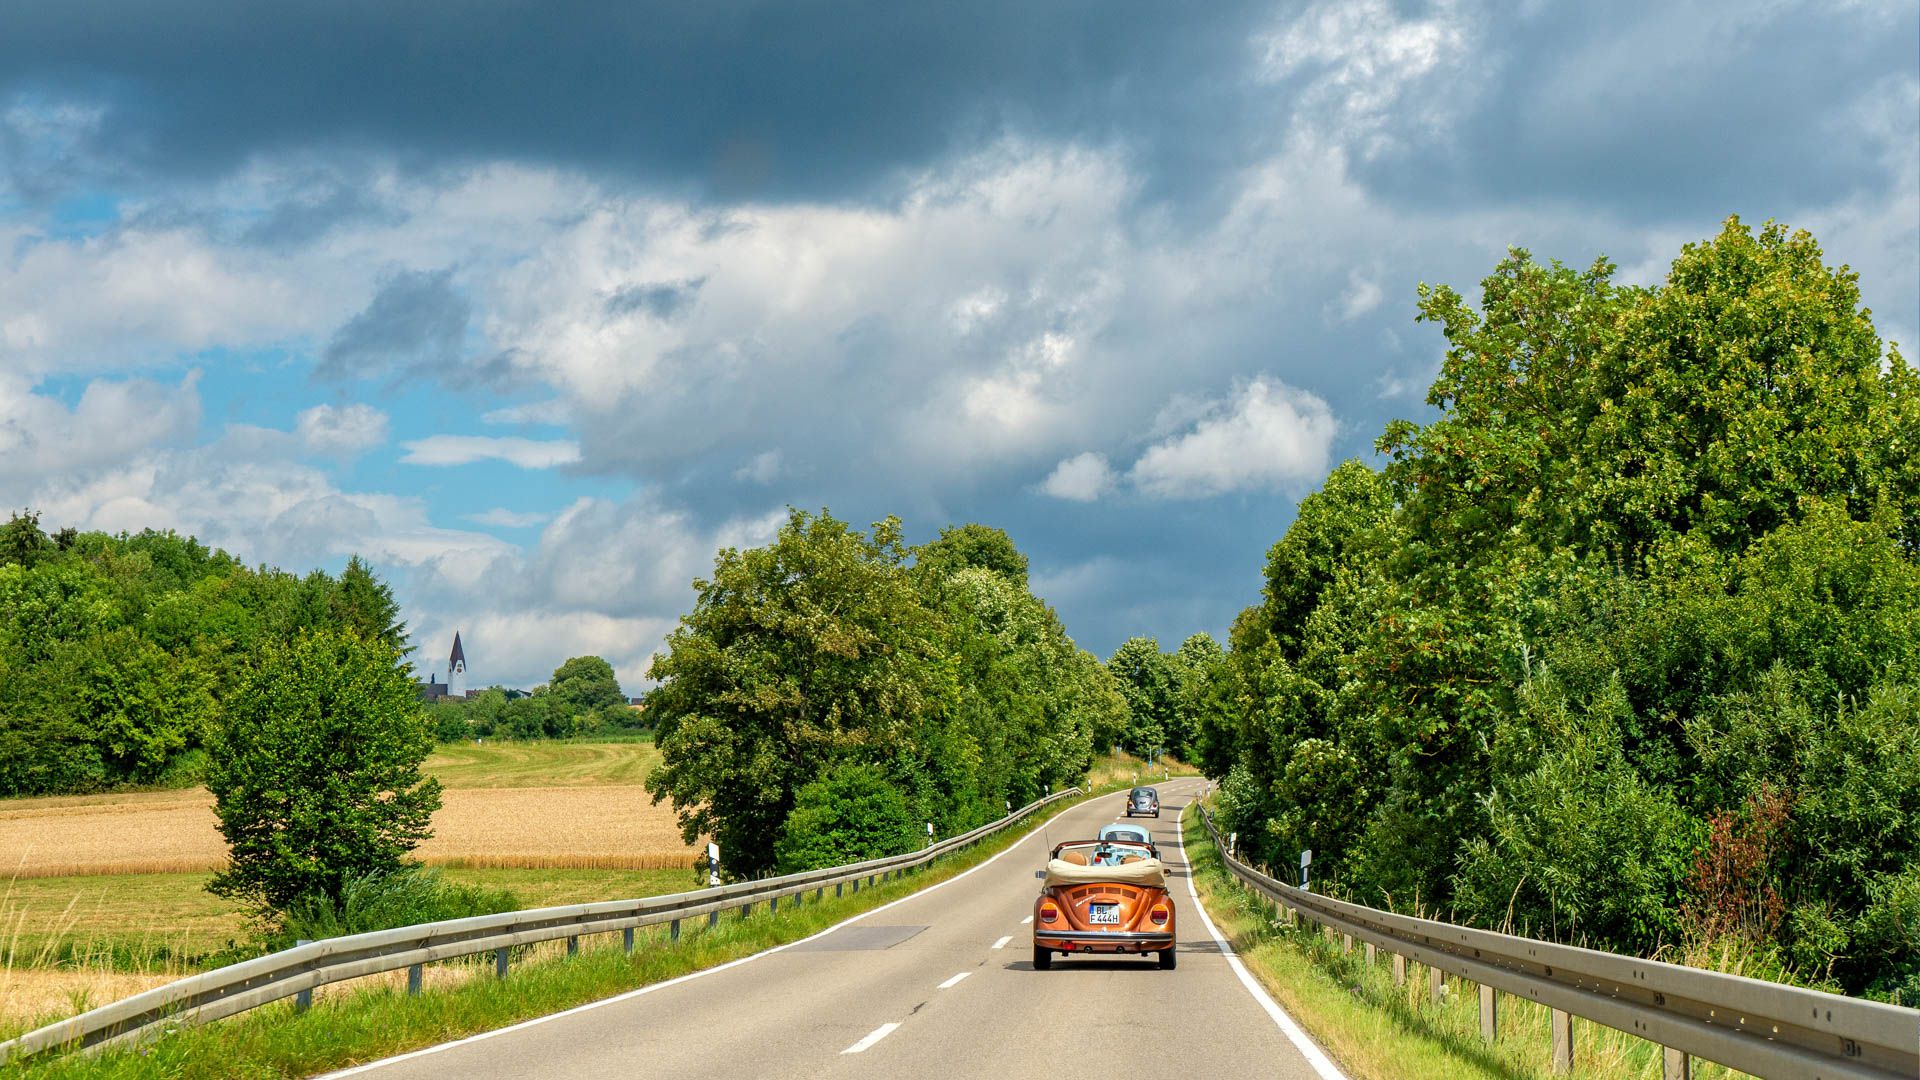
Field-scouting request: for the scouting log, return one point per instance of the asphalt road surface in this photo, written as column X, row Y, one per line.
column 940, row 984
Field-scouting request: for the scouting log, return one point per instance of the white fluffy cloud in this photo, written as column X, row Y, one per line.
column 113, row 421
column 341, row 429
column 1080, row 478
column 467, row 449
column 1268, row 436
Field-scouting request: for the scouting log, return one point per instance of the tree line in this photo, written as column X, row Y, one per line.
column 583, row 699
column 120, row 655
column 1623, row 647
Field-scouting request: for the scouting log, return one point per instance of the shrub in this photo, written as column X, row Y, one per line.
column 851, row 814
column 407, row 896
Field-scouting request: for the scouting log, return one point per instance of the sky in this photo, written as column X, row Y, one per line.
column 537, row 305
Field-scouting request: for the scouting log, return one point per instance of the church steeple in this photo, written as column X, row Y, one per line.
column 457, row 669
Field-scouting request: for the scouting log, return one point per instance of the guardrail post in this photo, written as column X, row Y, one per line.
column 746, row 909
column 414, row 975
column 1370, row 954
column 773, row 906
column 626, row 937
column 573, row 945
column 1346, row 944
column 1399, row 970
column 1436, row 984
column 1676, row 1066
column 1489, row 1013
column 1562, row 1024
column 673, row 931
column 500, row 963
column 838, row 888
column 821, row 893
column 303, row 1000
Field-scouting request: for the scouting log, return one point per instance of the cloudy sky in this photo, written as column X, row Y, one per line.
column 537, row 304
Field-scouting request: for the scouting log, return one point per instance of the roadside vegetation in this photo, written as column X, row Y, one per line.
column 371, row 1018
column 1623, row 648
column 1379, row 1031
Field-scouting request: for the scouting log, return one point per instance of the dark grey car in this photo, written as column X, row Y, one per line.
column 1143, row 800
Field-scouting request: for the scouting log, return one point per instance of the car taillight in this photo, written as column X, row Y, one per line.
column 1049, row 912
column 1159, row 914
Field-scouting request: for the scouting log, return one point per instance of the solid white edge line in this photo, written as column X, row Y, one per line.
column 691, row 975
column 1315, row 1056
column 1002, row 943
column 953, row 982
column 873, row 1036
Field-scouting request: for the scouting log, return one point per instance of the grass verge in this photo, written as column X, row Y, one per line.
column 358, row 1024
column 1379, row 1031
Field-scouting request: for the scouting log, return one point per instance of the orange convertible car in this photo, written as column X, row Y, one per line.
column 1103, row 897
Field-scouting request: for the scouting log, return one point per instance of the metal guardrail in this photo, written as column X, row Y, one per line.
column 1763, row 1028
column 252, row 983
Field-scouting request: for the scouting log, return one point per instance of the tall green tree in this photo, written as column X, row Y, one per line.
column 810, row 651
column 586, row 683
column 1151, row 686
column 316, row 772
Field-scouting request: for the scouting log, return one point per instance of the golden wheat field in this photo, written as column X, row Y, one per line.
column 541, row 806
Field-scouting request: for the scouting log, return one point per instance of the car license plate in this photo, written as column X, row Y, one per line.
column 1103, row 914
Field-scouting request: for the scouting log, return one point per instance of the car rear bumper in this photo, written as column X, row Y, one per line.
column 1104, row 940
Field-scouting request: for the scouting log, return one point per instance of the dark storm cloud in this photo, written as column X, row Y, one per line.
column 416, row 322
column 1657, row 111
column 726, row 97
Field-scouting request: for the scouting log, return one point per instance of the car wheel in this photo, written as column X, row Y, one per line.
column 1042, row 958
column 1167, row 959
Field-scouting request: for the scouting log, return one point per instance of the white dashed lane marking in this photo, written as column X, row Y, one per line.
column 955, row 981
column 874, row 1036
column 1002, row 943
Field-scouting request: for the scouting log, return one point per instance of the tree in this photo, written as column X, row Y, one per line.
column 364, row 604
column 586, row 683
column 1151, row 686
column 811, row 651
column 316, row 771
column 21, row 540
column 984, row 546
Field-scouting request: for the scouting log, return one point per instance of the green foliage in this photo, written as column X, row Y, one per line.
column 119, row 653
column 586, row 683
column 1622, row 644
column 315, row 772
column 852, row 813
column 1150, row 683
column 982, row 546
column 406, row 896
column 826, row 649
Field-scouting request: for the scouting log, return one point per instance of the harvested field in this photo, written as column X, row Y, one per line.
column 171, row 832
column 534, row 805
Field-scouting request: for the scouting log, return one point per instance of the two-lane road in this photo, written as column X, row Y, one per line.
column 940, row 983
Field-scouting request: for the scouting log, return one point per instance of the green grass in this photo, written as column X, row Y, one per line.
column 543, row 764
column 1379, row 1031
column 346, row 1028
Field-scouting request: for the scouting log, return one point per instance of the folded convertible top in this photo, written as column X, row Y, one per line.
column 1144, row 872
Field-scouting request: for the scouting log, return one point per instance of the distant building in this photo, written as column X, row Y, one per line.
column 456, row 685
column 457, row 669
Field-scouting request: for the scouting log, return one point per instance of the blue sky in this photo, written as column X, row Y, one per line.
column 536, row 305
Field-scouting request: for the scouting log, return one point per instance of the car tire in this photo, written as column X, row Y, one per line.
column 1168, row 958
column 1042, row 958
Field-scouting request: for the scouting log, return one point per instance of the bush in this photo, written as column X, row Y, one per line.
column 851, row 814
column 407, row 896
